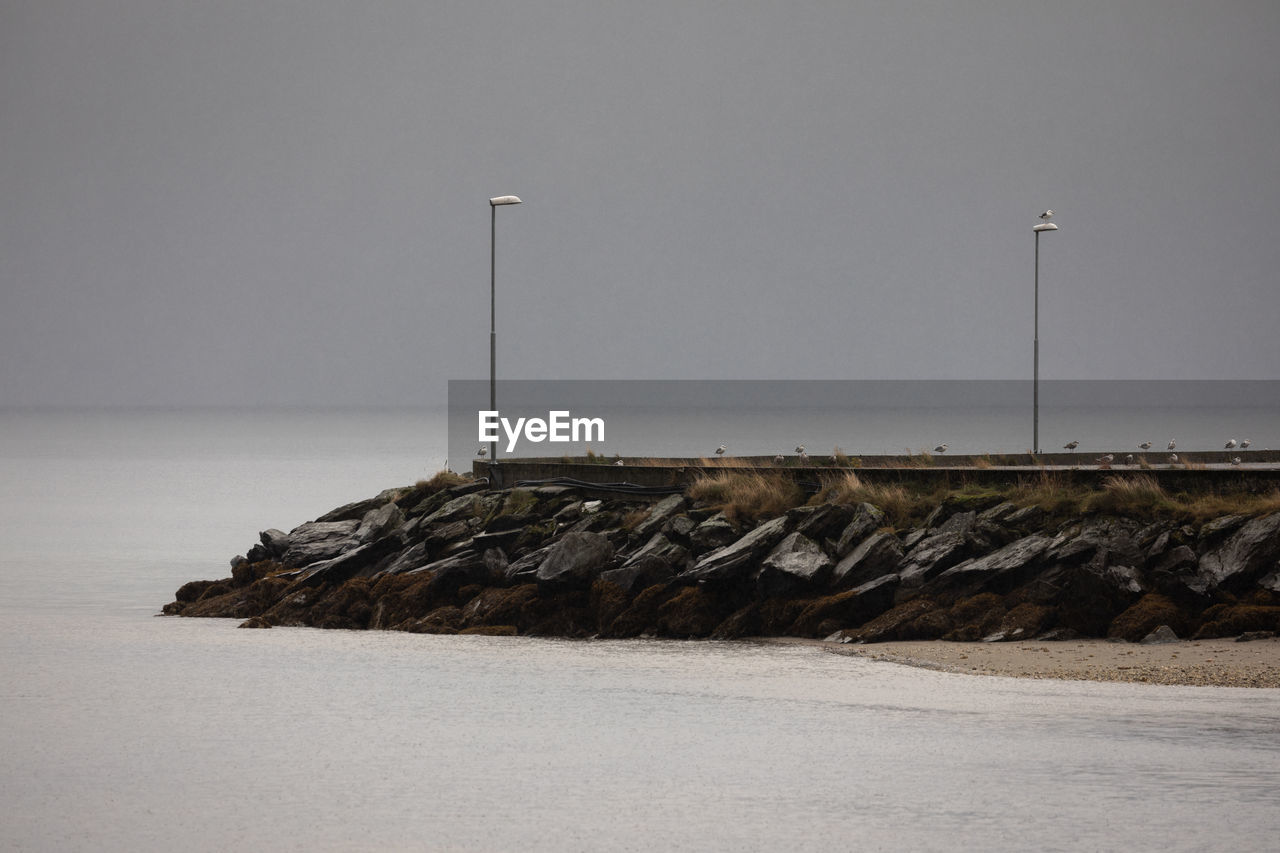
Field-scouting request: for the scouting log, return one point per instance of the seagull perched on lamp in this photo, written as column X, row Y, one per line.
column 1047, row 215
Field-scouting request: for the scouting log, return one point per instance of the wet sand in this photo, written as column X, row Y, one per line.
column 1216, row 663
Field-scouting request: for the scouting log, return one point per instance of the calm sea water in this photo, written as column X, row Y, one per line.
column 123, row 731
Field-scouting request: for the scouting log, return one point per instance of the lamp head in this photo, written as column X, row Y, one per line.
column 504, row 199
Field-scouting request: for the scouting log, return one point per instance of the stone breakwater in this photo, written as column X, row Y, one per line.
column 559, row 561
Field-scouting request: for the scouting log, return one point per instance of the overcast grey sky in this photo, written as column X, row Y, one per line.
column 259, row 201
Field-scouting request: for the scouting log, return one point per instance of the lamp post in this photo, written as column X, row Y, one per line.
column 1035, row 382
column 494, row 204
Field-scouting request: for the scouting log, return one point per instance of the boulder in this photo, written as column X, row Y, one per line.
column 348, row 564
column 1160, row 636
column 866, row 518
column 1007, row 561
column 525, row 569
column 934, row 555
column 875, row 556
column 407, row 560
column 999, row 513
column 1250, row 553
column 1219, row 527
column 378, row 523
column 729, row 562
column 575, row 560
column 821, row 522
column 659, row 514
column 354, row 511
column 639, row 574
column 1025, row 518
column 275, row 541
column 715, row 532
column 661, row 547
column 468, row 504
column 794, row 563
column 319, row 540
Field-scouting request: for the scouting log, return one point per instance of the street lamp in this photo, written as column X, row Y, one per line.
column 1035, row 424
column 494, row 204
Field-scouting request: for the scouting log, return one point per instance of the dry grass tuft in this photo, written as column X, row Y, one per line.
column 442, row 479
column 1139, row 494
column 899, row 504
column 747, row 495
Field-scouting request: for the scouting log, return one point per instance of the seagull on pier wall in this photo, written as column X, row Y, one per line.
column 720, row 450
column 941, row 448
column 779, row 459
column 1231, row 442
column 1235, row 460
column 1146, row 445
column 799, row 448
column 1106, row 460
column 1128, row 460
column 1244, row 445
column 1071, row 445
column 619, row 462
column 1173, row 457
column 804, row 457
column 483, row 451
column 1172, row 444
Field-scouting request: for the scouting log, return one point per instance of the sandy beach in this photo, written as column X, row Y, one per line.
column 1215, row 663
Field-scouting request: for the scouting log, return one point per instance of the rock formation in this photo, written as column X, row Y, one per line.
column 557, row 561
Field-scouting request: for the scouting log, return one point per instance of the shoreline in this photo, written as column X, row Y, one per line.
column 1187, row 663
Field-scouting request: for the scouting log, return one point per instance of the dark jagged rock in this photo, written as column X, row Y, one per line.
column 796, row 563
column 875, row 556
column 659, row 547
column 715, row 532
column 727, row 563
column 639, row 573
column 319, row 540
column 864, row 520
column 934, row 555
column 575, row 560
column 822, row 522
column 659, row 514
column 275, row 541
column 1012, row 559
column 1248, row 554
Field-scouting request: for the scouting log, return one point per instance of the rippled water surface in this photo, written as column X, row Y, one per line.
column 122, row 731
